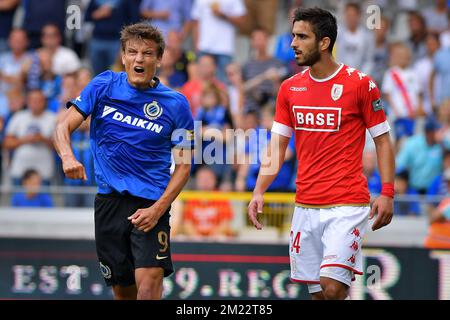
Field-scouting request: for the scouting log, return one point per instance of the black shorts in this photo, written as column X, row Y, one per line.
column 121, row 248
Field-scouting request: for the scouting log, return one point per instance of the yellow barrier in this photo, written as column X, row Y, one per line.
column 277, row 210
column 276, row 197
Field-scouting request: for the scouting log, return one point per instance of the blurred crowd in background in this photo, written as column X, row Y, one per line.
column 228, row 57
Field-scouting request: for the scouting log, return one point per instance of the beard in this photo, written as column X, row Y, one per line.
column 309, row 59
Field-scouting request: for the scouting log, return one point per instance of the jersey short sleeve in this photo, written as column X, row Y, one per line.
column 282, row 123
column 371, row 106
column 91, row 94
column 183, row 134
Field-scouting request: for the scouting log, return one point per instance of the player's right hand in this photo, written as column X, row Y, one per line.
column 256, row 206
column 74, row 169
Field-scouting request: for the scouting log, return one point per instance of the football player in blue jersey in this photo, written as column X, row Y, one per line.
column 136, row 125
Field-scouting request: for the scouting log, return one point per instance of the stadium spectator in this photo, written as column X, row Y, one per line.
column 16, row 102
column 423, row 68
column 439, row 185
column 444, row 118
column 78, row 38
column 421, row 156
column 84, row 76
column 404, row 207
column 439, row 231
column 202, row 74
column 108, row 17
column 381, row 51
column 354, row 44
column 401, row 90
column 174, row 78
column 38, row 14
column 235, row 90
column 168, row 15
column 7, row 11
column 182, row 57
column 417, row 34
column 261, row 14
column 371, row 173
column 64, row 60
column 11, row 63
column 215, row 120
column 31, row 196
column 262, row 73
column 255, row 148
column 207, row 218
column 212, row 18
column 283, row 50
column 445, row 35
column 440, row 77
column 37, row 74
column 69, row 91
column 436, row 17
column 28, row 135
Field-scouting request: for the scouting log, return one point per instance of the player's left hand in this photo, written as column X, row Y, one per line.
column 145, row 219
column 383, row 206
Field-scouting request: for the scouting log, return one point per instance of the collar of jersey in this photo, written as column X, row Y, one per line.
column 329, row 77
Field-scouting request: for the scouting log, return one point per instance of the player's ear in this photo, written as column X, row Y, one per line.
column 324, row 43
column 122, row 55
column 158, row 64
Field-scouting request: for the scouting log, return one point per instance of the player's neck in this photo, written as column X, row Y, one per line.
column 323, row 69
column 152, row 84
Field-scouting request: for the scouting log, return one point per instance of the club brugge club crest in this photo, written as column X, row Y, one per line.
column 336, row 91
column 152, row 110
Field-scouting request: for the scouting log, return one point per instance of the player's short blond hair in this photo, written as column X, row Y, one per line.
column 142, row 31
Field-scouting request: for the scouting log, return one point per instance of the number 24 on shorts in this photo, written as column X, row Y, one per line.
column 296, row 243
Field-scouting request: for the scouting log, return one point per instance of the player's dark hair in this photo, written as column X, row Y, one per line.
column 142, row 31
column 322, row 21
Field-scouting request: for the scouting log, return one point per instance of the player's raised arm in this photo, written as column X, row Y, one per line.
column 270, row 166
column 66, row 124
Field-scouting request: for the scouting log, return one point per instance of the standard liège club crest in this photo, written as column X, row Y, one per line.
column 336, row 91
column 152, row 110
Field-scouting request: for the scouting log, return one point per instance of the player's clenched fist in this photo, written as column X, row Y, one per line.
column 74, row 169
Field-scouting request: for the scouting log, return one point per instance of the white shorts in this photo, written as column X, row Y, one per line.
column 327, row 243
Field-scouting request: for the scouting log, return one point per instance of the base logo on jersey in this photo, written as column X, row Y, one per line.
column 105, row 270
column 325, row 119
column 152, row 110
column 336, row 91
